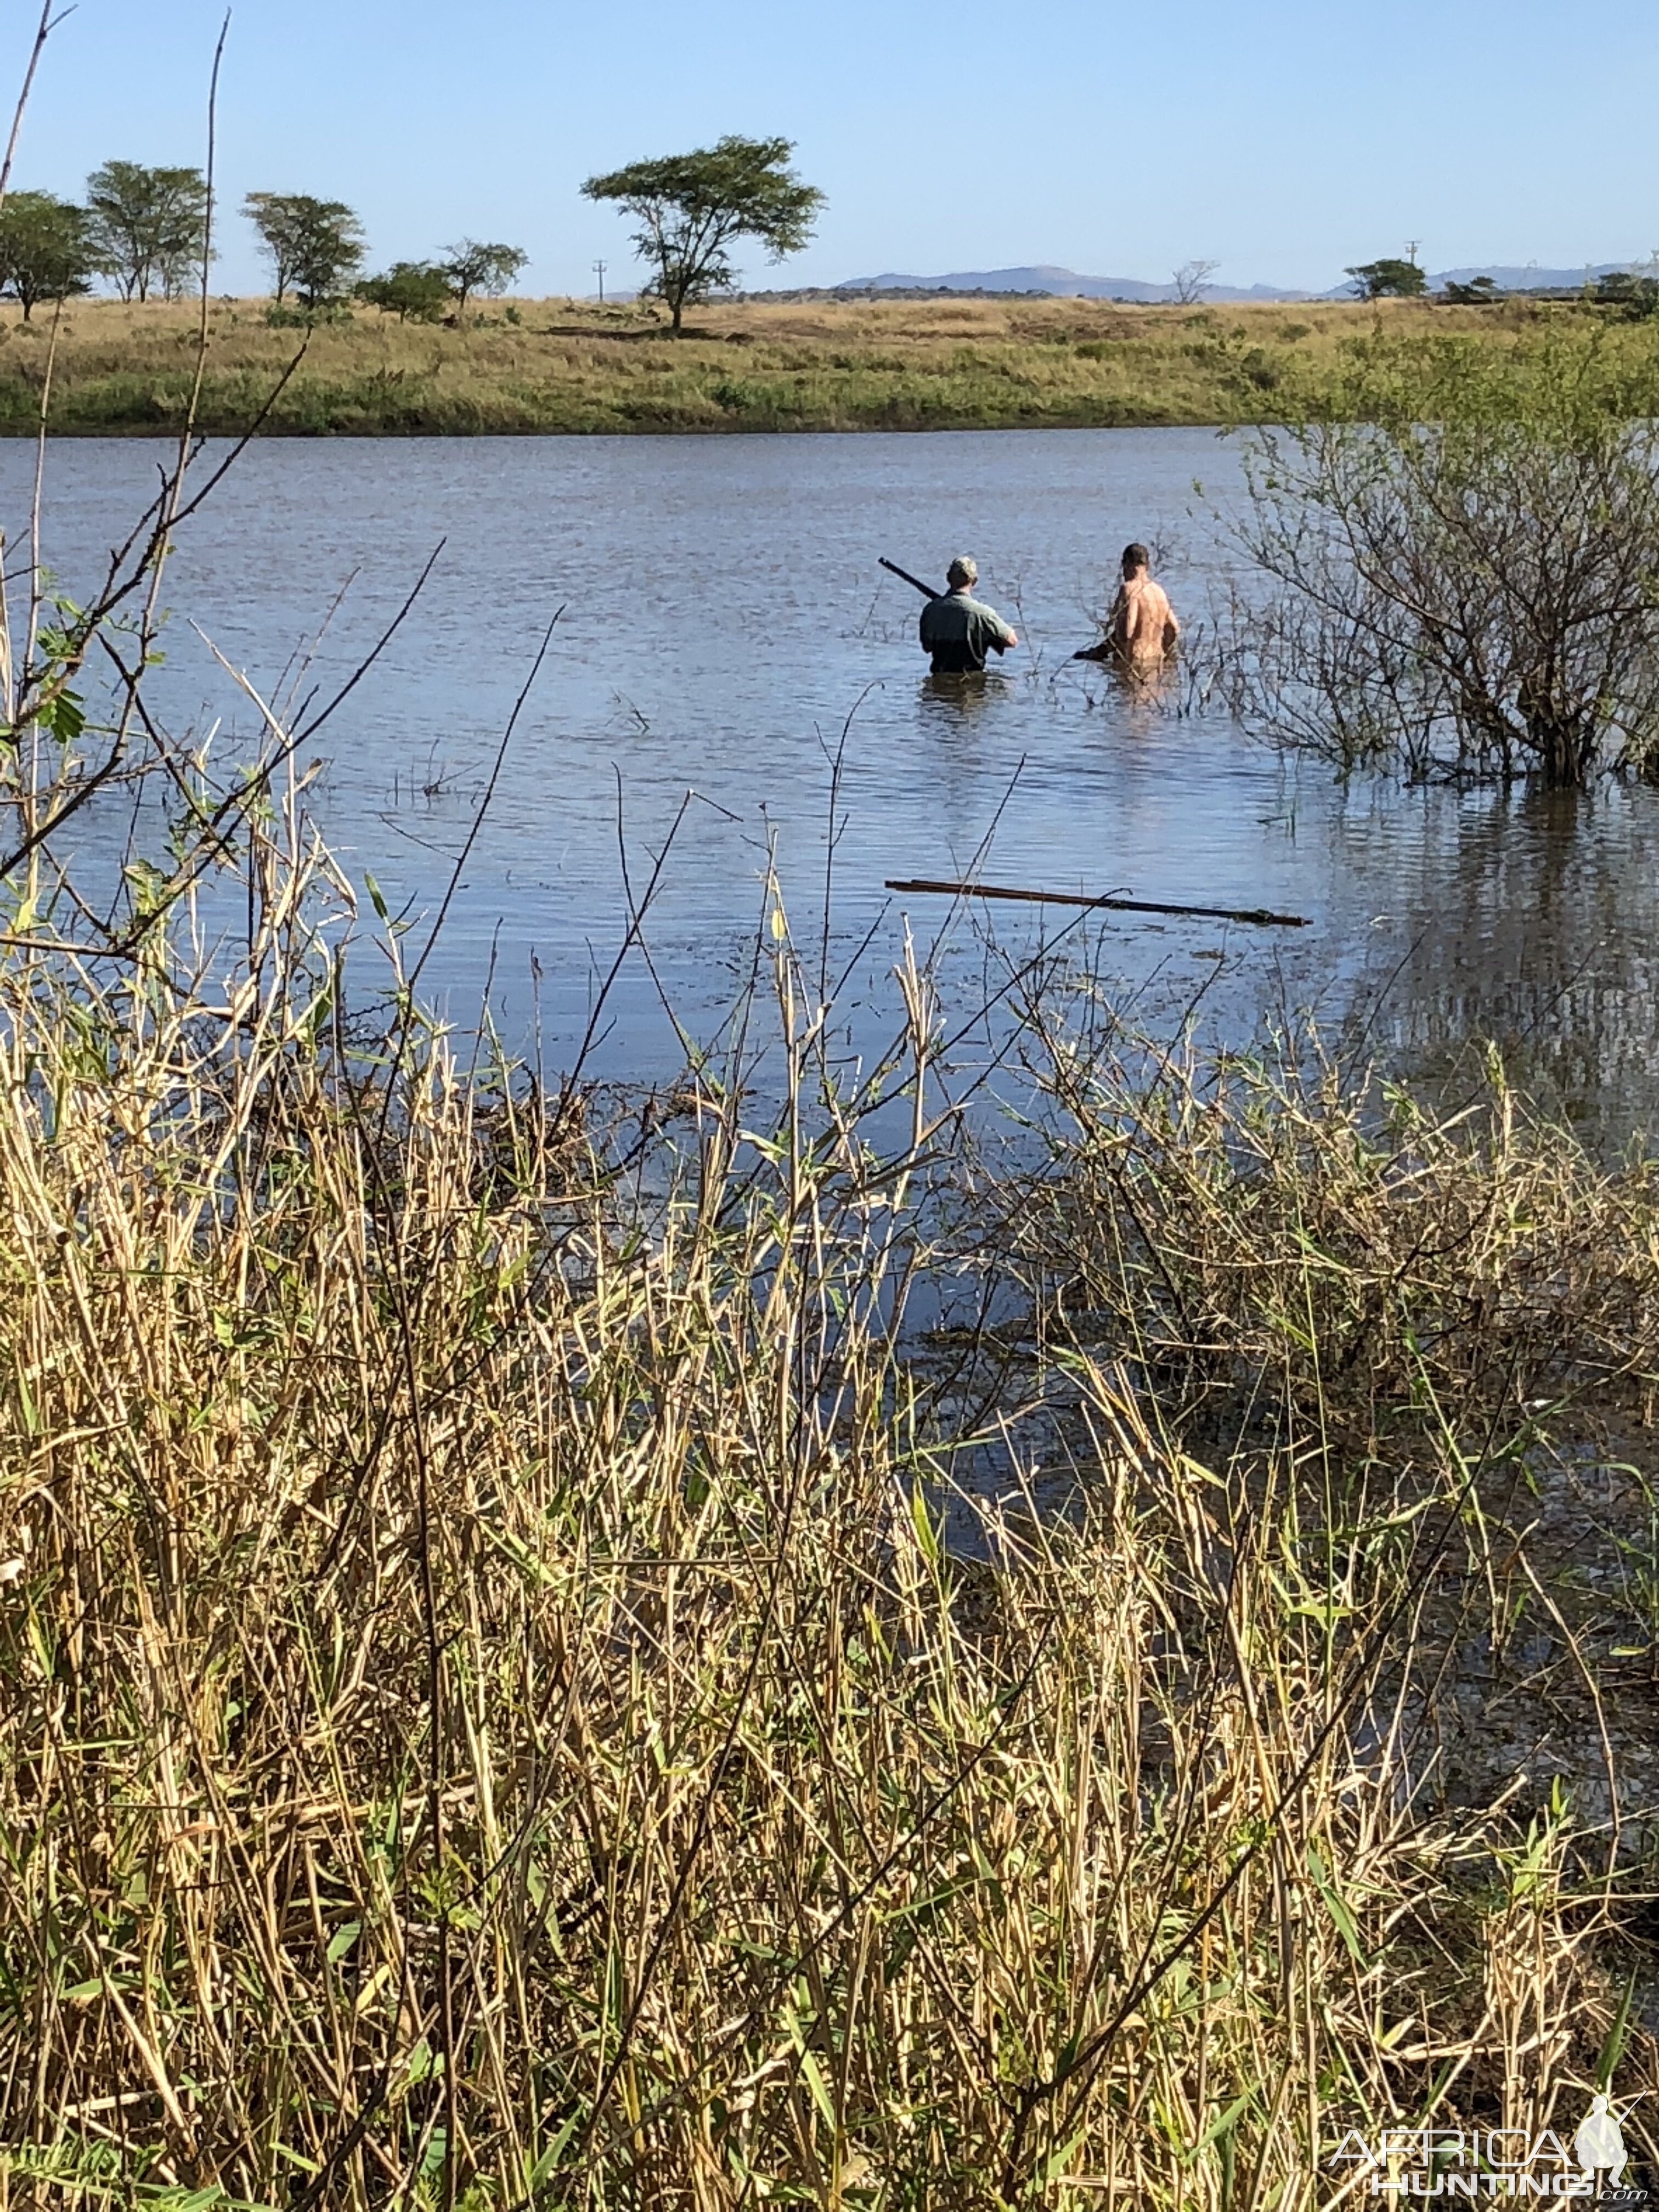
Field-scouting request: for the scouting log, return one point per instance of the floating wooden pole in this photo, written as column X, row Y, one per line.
column 1257, row 916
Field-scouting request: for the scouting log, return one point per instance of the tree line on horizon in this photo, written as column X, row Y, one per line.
column 1632, row 294
column 147, row 231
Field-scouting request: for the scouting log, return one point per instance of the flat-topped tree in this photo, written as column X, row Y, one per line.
column 149, row 227
column 691, row 208
column 1388, row 279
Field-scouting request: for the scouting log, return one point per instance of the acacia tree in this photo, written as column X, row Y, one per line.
column 1388, row 279
column 473, row 267
column 690, row 208
column 149, row 228
column 408, row 288
column 315, row 246
column 45, row 252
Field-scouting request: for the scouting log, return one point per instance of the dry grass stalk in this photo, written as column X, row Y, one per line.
column 565, row 365
column 491, row 1720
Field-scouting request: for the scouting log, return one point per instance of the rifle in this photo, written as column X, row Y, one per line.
column 915, row 582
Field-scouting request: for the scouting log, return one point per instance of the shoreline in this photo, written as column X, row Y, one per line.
column 298, row 437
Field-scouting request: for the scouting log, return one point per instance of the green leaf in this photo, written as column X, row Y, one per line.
column 549, row 2157
column 926, row 1535
column 63, row 717
column 815, row 2083
column 1058, row 2160
column 1335, row 1904
column 1223, row 2122
column 343, row 1940
column 1612, row 2049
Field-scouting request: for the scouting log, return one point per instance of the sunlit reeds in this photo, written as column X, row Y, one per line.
column 532, row 1674
column 491, row 1717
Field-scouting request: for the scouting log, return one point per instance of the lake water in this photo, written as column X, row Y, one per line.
column 725, row 621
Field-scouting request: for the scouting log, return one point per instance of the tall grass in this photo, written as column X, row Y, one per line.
column 533, row 1673
column 519, row 1689
column 983, row 364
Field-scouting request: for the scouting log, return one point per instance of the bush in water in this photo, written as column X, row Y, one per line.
column 1461, row 569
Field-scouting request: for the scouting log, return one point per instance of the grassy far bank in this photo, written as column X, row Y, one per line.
column 567, row 366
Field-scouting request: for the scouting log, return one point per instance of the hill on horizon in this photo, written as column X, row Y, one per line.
column 1045, row 277
column 1067, row 283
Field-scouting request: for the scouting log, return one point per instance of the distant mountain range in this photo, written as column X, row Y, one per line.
column 1043, row 276
column 1066, row 282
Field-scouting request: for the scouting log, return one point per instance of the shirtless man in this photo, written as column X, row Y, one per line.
column 1141, row 630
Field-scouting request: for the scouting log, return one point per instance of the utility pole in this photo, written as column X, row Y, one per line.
column 1411, row 246
column 599, row 268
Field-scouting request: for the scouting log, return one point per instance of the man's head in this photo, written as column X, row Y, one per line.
column 1135, row 559
column 963, row 574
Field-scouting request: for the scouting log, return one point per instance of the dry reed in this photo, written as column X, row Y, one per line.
column 491, row 1718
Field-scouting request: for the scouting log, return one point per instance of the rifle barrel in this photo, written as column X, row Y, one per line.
column 915, row 582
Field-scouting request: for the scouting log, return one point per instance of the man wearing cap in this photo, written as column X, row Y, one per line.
column 958, row 629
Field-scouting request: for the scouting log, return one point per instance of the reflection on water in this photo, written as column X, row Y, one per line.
column 960, row 700
column 1530, row 917
column 725, row 617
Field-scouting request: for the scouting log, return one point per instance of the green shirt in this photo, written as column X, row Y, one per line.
column 959, row 630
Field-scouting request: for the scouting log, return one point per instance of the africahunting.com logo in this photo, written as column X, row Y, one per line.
column 1476, row 2162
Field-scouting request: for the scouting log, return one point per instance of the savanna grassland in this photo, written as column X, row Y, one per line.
column 550, row 366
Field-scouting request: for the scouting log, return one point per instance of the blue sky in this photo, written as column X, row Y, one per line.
column 1282, row 138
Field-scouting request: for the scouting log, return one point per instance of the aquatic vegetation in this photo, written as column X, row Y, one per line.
column 1457, row 552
